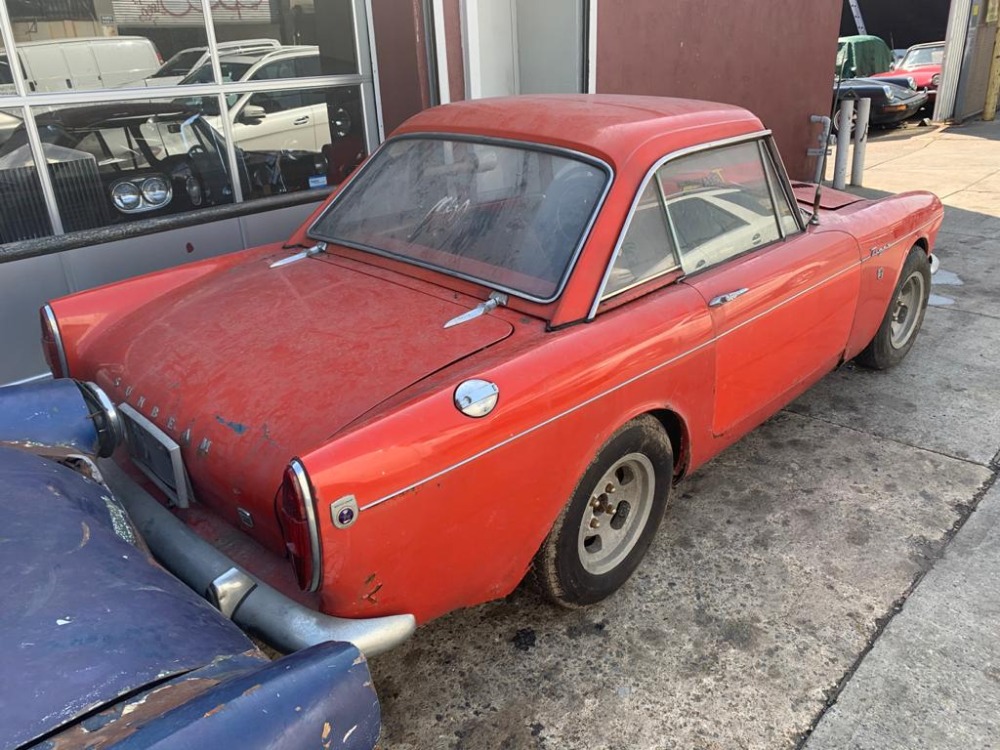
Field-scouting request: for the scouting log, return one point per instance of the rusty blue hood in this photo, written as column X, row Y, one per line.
column 86, row 616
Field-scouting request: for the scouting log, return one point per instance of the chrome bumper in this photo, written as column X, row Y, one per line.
column 256, row 607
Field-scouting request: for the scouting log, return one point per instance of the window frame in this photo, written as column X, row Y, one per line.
column 27, row 104
column 767, row 149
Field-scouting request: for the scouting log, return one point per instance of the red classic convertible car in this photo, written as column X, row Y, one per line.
column 493, row 351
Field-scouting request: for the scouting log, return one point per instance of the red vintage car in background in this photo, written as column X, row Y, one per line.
column 922, row 62
column 493, row 351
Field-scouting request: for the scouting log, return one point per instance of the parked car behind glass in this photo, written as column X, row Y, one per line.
column 186, row 61
column 81, row 63
column 114, row 163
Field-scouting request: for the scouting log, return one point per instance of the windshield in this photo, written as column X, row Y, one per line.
column 181, row 64
column 923, row 56
column 510, row 217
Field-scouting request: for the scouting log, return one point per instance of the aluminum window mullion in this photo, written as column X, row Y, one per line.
column 10, row 45
column 98, row 96
column 42, row 170
column 211, row 42
column 220, row 95
column 34, row 140
column 373, row 56
column 769, row 181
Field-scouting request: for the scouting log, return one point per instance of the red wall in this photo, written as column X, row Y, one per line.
column 402, row 59
column 774, row 57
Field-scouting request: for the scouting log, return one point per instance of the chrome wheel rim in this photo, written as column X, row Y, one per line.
column 616, row 513
column 906, row 310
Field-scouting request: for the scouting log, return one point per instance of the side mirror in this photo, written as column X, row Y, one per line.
column 253, row 114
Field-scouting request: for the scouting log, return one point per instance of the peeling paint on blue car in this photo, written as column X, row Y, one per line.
column 104, row 648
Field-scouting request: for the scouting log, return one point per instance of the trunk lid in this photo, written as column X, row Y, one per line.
column 252, row 366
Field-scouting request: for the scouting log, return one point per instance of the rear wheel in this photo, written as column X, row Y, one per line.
column 604, row 531
column 904, row 317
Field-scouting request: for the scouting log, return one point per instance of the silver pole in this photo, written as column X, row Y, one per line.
column 846, row 114
column 824, row 146
column 860, row 142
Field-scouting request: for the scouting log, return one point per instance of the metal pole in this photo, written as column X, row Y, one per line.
column 846, row 114
column 824, row 145
column 860, row 141
column 993, row 85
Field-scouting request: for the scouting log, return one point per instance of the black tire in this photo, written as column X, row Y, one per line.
column 567, row 567
column 889, row 345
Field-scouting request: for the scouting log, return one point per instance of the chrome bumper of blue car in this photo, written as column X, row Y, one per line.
column 255, row 606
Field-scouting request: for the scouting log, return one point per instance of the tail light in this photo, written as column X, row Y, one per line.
column 52, row 345
column 298, row 524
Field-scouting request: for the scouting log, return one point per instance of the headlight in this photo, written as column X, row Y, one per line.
column 126, row 196
column 138, row 194
column 911, row 83
column 888, row 93
column 156, row 191
column 194, row 192
column 936, row 79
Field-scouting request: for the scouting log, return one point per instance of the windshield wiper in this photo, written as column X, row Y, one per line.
column 497, row 299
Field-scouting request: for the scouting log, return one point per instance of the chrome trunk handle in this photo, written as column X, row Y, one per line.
column 727, row 297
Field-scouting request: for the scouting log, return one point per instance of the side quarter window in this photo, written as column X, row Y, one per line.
column 647, row 249
column 719, row 204
column 785, row 209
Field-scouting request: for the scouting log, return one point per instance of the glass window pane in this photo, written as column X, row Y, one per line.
column 298, row 139
column 509, row 217
column 647, row 250
column 114, row 163
column 315, row 37
column 6, row 76
column 718, row 204
column 23, row 215
column 788, row 223
column 73, row 45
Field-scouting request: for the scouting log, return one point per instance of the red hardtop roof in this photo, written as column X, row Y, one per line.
column 611, row 126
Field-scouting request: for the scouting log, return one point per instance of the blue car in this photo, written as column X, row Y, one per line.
column 103, row 647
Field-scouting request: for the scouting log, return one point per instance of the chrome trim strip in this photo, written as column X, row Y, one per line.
column 607, row 392
column 764, row 163
column 310, row 503
column 786, row 186
column 50, row 318
column 642, row 187
column 504, row 143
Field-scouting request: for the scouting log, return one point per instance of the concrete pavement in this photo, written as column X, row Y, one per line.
column 789, row 570
column 932, row 678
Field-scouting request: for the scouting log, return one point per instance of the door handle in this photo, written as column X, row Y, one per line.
column 301, row 120
column 727, row 297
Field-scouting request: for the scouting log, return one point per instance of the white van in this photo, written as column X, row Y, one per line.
column 86, row 63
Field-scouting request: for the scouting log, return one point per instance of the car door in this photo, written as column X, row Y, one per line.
column 782, row 297
column 286, row 123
